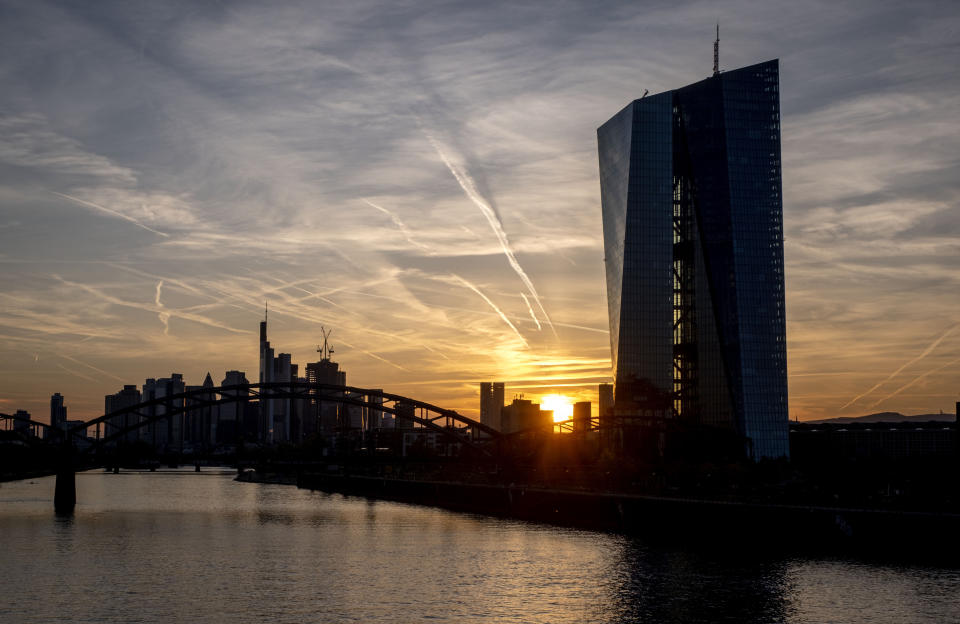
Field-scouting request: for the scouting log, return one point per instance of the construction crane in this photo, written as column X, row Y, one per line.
column 325, row 350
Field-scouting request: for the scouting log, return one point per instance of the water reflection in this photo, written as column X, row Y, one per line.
column 208, row 549
column 64, row 533
column 668, row 585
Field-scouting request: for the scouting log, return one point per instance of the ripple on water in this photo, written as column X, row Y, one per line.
column 181, row 547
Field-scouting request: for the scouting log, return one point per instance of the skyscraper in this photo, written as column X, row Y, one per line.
column 58, row 412
column 274, row 413
column 113, row 402
column 164, row 433
column 325, row 415
column 230, row 416
column 491, row 404
column 693, row 239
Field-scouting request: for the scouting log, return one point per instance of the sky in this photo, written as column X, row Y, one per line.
column 422, row 178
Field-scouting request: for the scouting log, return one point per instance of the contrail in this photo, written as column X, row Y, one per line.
column 503, row 316
column 915, row 380
column 148, row 307
column 466, row 183
column 382, row 359
column 80, row 375
column 584, row 328
column 532, row 315
column 99, row 370
column 373, row 355
column 933, row 345
column 432, row 350
column 407, row 234
column 164, row 316
column 294, row 308
column 113, row 212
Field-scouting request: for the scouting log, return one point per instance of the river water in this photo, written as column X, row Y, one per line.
column 187, row 547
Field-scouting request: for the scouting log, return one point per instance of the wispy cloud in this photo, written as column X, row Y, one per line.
column 28, row 140
column 243, row 138
column 162, row 314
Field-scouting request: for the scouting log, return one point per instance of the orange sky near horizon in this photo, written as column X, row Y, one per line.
column 428, row 188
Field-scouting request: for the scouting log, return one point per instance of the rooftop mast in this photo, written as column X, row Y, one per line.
column 716, row 52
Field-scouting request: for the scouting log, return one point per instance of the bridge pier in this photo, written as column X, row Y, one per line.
column 65, row 490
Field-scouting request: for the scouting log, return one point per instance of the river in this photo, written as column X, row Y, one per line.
column 186, row 547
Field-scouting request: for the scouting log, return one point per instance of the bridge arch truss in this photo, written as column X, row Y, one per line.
column 424, row 416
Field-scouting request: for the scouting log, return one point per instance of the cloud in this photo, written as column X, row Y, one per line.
column 28, row 140
column 247, row 134
column 162, row 314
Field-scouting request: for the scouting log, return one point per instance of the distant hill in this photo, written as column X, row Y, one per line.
column 886, row 417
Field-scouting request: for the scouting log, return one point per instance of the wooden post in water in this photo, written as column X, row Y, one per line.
column 65, row 491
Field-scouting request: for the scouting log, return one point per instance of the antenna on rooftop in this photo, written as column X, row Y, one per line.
column 716, row 52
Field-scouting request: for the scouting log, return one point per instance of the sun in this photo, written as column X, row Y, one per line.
column 561, row 405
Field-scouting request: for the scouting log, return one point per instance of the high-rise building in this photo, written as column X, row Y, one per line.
column 127, row 397
column 491, row 404
column 374, row 415
column 581, row 416
column 21, row 421
column 199, row 421
column 604, row 401
column 58, row 411
column 325, row 415
column 229, row 421
column 524, row 414
column 693, row 239
column 165, row 434
column 275, row 414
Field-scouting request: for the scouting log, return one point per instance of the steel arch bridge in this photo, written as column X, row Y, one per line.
column 52, row 433
column 447, row 423
column 11, row 420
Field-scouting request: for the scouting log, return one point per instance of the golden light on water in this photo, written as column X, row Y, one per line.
column 561, row 405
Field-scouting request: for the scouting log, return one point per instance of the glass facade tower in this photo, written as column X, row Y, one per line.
column 693, row 239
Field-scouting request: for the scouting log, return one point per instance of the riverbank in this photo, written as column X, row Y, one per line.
column 872, row 531
column 27, row 474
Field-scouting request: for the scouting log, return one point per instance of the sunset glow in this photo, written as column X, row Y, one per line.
column 459, row 238
column 561, row 405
